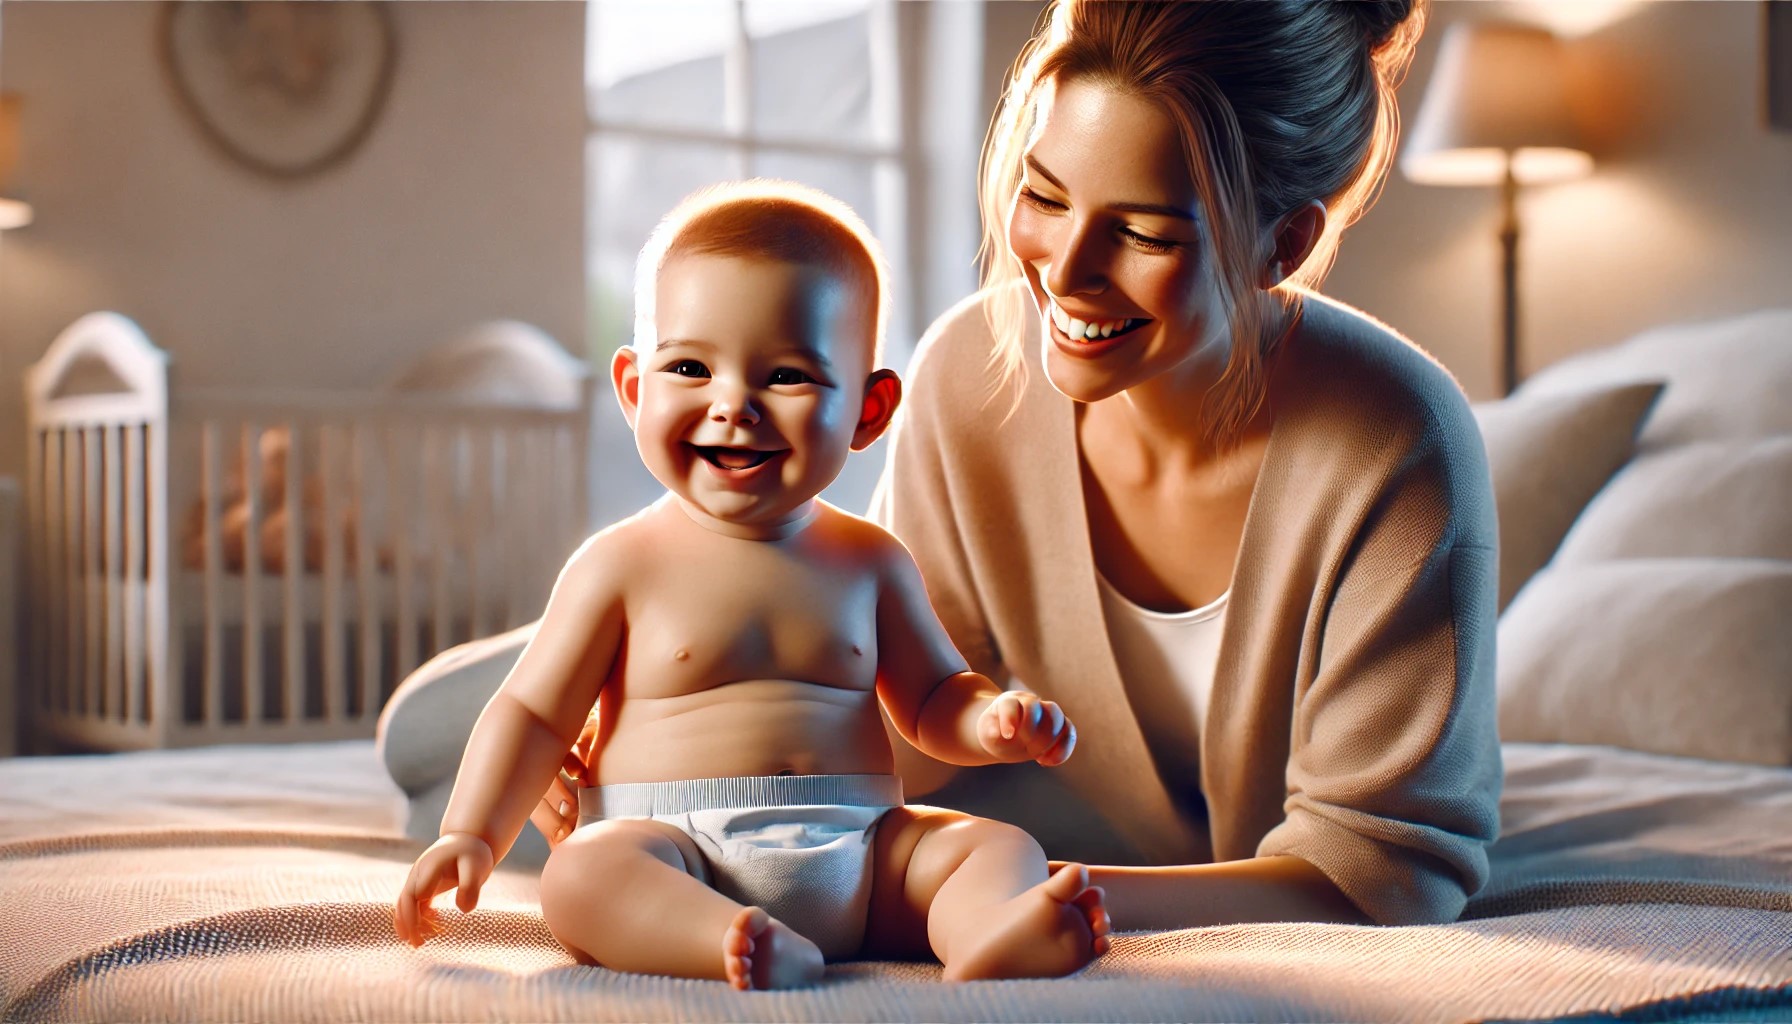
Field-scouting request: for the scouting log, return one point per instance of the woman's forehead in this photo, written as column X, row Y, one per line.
column 1107, row 145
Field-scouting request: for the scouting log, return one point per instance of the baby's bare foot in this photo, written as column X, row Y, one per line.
column 761, row 952
column 1052, row 929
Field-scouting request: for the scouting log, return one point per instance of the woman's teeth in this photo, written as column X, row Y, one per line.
column 1081, row 330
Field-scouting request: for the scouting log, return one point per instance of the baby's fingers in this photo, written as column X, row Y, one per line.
column 1047, row 728
column 470, row 878
column 555, row 813
column 1060, row 751
column 1002, row 719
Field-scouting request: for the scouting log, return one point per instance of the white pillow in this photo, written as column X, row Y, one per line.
column 1683, row 656
column 1725, row 378
column 1549, row 455
column 1720, row 499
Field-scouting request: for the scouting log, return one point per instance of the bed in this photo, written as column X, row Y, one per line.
column 1644, row 869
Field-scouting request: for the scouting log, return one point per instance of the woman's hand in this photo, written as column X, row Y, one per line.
column 1018, row 726
column 460, row 861
column 557, row 814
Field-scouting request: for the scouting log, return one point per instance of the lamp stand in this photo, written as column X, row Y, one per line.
column 1509, row 280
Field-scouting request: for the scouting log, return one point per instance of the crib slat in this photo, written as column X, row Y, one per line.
column 401, row 474
column 512, row 501
column 54, row 692
column 475, row 524
column 37, row 670
column 211, row 493
column 135, row 572
column 519, row 485
column 566, row 452
column 293, row 633
column 93, row 573
column 361, row 509
column 164, row 696
column 336, row 683
column 113, row 581
column 71, row 560
column 437, row 486
column 252, row 618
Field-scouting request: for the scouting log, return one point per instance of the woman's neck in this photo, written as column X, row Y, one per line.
column 1161, row 422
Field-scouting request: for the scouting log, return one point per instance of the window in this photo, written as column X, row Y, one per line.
column 880, row 103
column 684, row 93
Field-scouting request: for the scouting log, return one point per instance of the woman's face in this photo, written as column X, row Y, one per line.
column 1108, row 227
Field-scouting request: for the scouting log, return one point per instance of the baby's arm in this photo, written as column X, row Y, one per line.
column 941, row 707
column 521, row 736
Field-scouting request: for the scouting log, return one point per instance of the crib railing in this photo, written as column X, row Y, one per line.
column 224, row 567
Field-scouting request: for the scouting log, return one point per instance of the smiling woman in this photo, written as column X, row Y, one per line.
column 1243, row 533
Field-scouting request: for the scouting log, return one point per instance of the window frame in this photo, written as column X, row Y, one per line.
column 894, row 163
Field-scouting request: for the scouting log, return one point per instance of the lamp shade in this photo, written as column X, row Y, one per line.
column 13, row 212
column 1497, row 97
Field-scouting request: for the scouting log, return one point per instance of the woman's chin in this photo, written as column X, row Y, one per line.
column 1079, row 381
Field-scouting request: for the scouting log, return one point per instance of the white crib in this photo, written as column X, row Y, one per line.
column 170, row 605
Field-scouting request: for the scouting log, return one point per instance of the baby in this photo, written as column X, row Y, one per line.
column 742, row 634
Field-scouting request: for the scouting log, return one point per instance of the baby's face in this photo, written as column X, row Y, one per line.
column 749, row 401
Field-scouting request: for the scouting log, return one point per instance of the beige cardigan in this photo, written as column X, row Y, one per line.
column 1352, row 715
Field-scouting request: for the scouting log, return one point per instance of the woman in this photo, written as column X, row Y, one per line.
column 1242, row 534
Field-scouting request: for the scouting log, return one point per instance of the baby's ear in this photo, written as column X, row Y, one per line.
column 625, row 377
column 883, row 393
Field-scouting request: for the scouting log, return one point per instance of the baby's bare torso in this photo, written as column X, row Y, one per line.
column 743, row 657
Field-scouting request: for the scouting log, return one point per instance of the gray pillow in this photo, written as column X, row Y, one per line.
column 1684, row 656
column 1721, row 499
column 1549, row 455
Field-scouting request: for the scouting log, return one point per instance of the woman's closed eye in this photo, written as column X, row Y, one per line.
column 1032, row 198
column 1146, row 243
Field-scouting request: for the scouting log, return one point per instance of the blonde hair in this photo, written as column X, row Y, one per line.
column 767, row 219
column 1278, row 102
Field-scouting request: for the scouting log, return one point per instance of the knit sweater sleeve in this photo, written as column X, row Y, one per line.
column 1394, row 769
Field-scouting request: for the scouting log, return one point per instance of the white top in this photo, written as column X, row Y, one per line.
column 1167, row 662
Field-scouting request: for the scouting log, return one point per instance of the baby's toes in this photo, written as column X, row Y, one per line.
column 739, row 943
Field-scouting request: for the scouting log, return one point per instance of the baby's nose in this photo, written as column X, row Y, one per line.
column 735, row 408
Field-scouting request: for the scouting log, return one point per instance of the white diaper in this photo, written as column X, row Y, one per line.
column 798, row 846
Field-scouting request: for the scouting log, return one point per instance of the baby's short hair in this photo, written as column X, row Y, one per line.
column 764, row 218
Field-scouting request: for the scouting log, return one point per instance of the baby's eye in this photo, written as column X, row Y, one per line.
column 688, row 368
column 791, row 375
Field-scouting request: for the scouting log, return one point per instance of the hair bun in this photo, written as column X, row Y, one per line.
column 1378, row 19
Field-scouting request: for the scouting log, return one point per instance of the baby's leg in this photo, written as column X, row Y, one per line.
column 978, row 893
column 632, row 895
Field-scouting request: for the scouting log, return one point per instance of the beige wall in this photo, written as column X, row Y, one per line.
column 1688, row 213
column 464, row 204
column 467, row 201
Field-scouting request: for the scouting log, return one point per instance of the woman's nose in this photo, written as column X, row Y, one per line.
column 1076, row 263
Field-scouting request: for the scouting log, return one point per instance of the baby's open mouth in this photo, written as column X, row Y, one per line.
column 732, row 459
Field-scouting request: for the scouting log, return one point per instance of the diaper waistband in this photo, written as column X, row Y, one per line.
column 647, row 799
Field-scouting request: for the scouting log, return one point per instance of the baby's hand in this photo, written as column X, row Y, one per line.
column 458, row 861
column 1018, row 726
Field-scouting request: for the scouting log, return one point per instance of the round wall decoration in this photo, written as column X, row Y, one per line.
column 284, row 87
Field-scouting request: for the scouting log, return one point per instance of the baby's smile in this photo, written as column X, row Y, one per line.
column 732, row 459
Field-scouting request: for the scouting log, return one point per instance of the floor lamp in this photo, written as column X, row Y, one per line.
column 1496, row 113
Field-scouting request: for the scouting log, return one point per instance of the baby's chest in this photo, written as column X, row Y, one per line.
column 699, row 633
